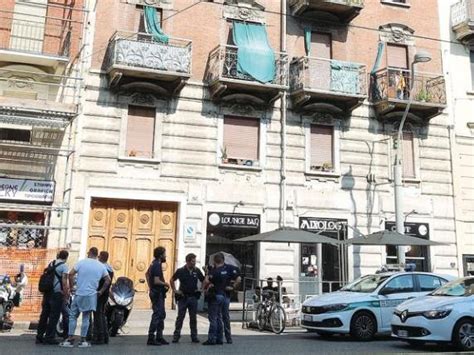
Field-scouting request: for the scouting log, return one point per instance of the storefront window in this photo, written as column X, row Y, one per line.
column 415, row 255
column 222, row 231
column 15, row 233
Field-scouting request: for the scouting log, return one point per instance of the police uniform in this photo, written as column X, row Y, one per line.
column 218, row 307
column 188, row 285
column 157, row 298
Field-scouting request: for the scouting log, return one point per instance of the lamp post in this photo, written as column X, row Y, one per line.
column 420, row 57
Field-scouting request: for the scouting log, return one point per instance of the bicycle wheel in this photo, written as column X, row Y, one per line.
column 261, row 315
column 277, row 319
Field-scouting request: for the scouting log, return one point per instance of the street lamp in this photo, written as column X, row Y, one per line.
column 420, row 57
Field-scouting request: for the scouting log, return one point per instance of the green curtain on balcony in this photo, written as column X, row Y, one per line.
column 255, row 57
column 153, row 25
column 307, row 41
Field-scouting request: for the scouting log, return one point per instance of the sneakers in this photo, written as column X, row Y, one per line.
column 84, row 344
column 67, row 344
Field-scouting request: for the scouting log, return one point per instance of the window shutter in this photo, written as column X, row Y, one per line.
column 408, row 155
column 241, row 137
column 397, row 56
column 321, row 45
column 321, row 145
column 140, row 131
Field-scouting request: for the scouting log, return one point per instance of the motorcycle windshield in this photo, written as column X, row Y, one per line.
column 124, row 287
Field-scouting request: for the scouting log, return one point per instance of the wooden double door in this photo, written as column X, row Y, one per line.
column 129, row 231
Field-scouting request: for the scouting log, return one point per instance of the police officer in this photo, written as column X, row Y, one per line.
column 158, row 288
column 222, row 280
column 187, row 296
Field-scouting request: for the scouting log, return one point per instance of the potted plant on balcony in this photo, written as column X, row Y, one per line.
column 423, row 96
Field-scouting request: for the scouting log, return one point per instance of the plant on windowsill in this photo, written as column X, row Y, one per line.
column 326, row 167
column 224, row 157
column 423, row 96
column 132, row 153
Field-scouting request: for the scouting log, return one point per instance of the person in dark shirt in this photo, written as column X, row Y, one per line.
column 187, row 296
column 222, row 279
column 100, row 325
column 158, row 288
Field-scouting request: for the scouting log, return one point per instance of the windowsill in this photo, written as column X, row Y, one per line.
column 412, row 180
column 239, row 167
column 400, row 4
column 470, row 92
column 329, row 174
column 139, row 160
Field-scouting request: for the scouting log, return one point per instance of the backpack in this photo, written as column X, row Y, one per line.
column 46, row 281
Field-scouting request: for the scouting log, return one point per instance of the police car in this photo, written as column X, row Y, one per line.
column 445, row 315
column 365, row 306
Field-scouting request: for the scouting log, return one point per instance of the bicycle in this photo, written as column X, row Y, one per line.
column 269, row 312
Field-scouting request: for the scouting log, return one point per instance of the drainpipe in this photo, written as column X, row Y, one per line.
column 283, row 122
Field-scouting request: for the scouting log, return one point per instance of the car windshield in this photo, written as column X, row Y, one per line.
column 365, row 284
column 457, row 288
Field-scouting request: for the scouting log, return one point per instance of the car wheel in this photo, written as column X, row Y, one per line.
column 363, row 326
column 463, row 336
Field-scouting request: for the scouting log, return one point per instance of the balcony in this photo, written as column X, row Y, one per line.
column 462, row 20
column 319, row 84
column 39, row 99
column 134, row 61
column 340, row 10
column 390, row 94
column 227, row 84
column 29, row 38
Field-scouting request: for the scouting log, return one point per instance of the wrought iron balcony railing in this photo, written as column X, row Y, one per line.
column 222, row 66
column 329, row 76
column 393, row 84
column 45, row 35
column 462, row 20
column 139, row 51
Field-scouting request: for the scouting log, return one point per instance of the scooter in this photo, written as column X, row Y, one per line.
column 119, row 305
column 10, row 296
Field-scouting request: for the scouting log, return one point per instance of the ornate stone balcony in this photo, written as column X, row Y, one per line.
column 35, row 98
column 134, row 61
column 227, row 84
column 318, row 84
column 341, row 10
column 462, row 20
column 390, row 94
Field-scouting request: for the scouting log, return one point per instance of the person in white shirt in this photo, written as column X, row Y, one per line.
column 89, row 272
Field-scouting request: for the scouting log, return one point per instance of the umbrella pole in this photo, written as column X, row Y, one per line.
column 319, row 252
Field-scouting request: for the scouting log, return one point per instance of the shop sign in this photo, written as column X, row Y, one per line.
column 420, row 230
column 315, row 224
column 27, row 190
column 218, row 221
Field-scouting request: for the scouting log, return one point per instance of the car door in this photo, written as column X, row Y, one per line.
column 395, row 291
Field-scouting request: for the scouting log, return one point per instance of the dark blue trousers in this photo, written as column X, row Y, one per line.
column 187, row 303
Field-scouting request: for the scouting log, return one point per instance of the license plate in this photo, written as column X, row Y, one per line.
column 307, row 318
column 402, row 333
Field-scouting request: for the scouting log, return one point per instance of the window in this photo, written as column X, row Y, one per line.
column 408, row 156
column 15, row 135
column 321, row 146
column 140, row 132
column 241, row 140
column 471, row 56
column 429, row 283
column 400, row 284
column 397, row 56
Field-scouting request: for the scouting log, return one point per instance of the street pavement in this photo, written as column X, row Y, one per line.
column 246, row 341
